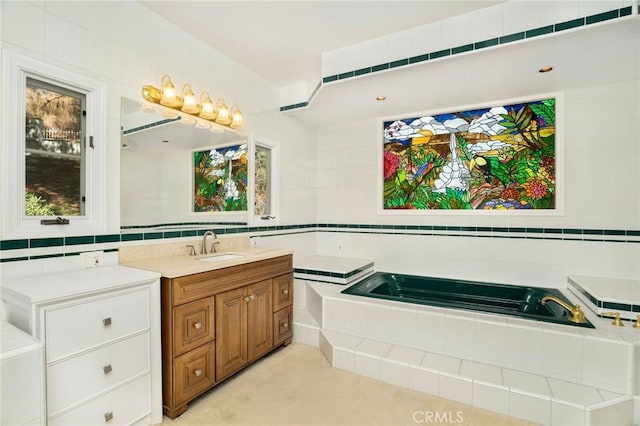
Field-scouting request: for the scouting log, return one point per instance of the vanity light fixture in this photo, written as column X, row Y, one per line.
column 236, row 117
column 545, row 69
column 169, row 97
column 189, row 104
column 216, row 116
column 207, row 110
column 223, row 113
column 380, row 98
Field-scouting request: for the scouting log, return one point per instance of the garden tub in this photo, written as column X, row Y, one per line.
column 535, row 303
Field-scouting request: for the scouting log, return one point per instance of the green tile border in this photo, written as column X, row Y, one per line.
column 72, row 241
column 527, row 34
column 567, row 234
column 151, row 125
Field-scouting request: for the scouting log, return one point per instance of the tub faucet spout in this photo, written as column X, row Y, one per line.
column 576, row 316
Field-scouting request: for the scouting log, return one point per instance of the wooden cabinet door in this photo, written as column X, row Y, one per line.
column 259, row 319
column 192, row 325
column 231, row 325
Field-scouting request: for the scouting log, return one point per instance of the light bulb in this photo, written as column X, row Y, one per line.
column 189, row 104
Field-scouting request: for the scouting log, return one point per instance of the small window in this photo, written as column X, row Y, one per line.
column 54, row 158
column 264, row 173
column 262, row 202
column 54, row 150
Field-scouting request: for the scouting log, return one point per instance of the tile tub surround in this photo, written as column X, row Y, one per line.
column 485, row 360
column 331, row 269
column 603, row 295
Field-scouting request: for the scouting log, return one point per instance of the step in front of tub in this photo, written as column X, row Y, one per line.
column 536, row 398
column 306, row 329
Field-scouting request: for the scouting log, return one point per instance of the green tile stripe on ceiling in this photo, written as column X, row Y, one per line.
column 532, row 33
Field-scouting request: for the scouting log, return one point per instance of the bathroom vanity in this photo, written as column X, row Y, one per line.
column 219, row 314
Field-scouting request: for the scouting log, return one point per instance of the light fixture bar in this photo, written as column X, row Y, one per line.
column 217, row 115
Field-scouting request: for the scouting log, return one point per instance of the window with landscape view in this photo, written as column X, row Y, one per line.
column 54, row 160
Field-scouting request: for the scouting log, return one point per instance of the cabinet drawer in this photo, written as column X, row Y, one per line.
column 282, row 291
column 81, row 377
column 123, row 406
column 282, row 325
column 74, row 328
column 194, row 373
column 193, row 325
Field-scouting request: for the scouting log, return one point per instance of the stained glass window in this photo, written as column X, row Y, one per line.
column 220, row 179
column 495, row 158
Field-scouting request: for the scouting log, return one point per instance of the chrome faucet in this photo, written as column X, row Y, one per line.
column 203, row 246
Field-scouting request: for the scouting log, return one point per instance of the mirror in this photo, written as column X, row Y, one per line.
column 156, row 167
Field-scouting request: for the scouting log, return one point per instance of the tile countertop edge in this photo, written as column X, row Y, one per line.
column 605, row 289
column 179, row 266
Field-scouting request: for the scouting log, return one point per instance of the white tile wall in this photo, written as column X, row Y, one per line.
column 563, row 413
column 124, row 43
column 532, row 262
column 530, row 407
column 616, row 376
column 368, row 358
column 455, row 388
column 491, row 397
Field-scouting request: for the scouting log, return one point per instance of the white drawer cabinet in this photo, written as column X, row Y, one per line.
column 132, row 402
column 87, row 324
column 101, row 333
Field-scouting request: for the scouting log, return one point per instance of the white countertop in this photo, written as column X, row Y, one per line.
column 41, row 288
column 178, row 266
column 610, row 289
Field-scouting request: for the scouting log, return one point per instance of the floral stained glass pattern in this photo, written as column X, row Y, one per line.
column 498, row 158
column 220, row 179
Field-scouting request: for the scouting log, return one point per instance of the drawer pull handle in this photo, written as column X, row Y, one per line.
column 197, row 325
column 285, row 325
column 107, row 369
column 108, row 416
column 106, row 321
column 198, row 373
column 253, row 297
column 246, row 299
column 285, row 291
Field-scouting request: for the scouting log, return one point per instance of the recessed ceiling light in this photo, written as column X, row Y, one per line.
column 545, row 69
column 165, row 141
column 380, row 98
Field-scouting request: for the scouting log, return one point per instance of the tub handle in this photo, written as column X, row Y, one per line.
column 616, row 318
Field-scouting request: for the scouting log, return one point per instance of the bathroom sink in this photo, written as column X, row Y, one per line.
column 220, row 257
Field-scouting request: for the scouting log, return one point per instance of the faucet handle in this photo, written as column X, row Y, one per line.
column 213, row 245
column 616, row 320
column 637, row 323
column 191, row 249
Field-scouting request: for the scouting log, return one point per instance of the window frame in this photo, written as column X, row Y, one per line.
column 272, row 218
column 15, row 224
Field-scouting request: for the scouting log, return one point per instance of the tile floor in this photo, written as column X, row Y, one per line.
column 297, row 386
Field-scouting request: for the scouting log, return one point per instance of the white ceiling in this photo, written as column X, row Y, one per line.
column 283, row 41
